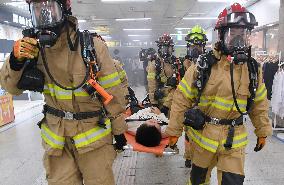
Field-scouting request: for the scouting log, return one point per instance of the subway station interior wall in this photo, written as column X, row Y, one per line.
column 8, row 34
column 266, row 11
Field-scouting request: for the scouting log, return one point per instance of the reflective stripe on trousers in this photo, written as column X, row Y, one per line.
column 80, row 140
column 53, row 140
column 92, row 135
column 212, row 145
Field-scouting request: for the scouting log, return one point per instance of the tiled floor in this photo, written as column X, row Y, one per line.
column 21, row 153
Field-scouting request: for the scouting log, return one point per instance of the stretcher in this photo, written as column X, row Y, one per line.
column 132, row 145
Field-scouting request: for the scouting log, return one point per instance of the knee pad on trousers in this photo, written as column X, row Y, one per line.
column 186, row 137
column 198, row 175
column 232, row 179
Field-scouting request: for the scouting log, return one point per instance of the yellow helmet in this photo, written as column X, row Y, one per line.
column 196, row 36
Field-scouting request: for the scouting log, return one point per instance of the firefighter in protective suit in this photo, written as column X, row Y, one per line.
column 212, row 98
column 163, row 75
column 196, row 41
column 79, row 125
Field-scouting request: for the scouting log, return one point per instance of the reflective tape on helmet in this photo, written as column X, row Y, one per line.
column 188, row 92
column 93, row 135
column 53, row 140
column 261, row 93
column 202, row 141
column 110, row 80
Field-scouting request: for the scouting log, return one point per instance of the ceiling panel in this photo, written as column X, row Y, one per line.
column 166, row 15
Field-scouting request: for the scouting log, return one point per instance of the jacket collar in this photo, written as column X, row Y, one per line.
column 62, row 40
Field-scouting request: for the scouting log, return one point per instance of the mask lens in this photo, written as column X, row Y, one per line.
column 45, row 13
column 237, row 39
column 194, row 51
column 166, row 51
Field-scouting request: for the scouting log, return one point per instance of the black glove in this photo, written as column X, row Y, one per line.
column 159, row 94
column 15, row 65
column 194, row 118
column 120, row 141
column 172, row 82
column 165, row 110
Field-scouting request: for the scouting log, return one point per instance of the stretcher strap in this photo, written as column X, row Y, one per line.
column 146, row 119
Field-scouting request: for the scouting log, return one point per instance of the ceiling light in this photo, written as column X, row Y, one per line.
column 99, row 31
column 142, row 29
column 81, row 20
column 182, row 28
column 269, row 25
column 106, row 37
column 180, row 45
column 139, row 35
column 134, row 19
column 199, row 18
column 175, row 34
column 132, row 1
column 136, row 40
column 214, row 1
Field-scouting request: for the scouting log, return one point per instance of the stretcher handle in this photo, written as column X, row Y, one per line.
column 165, row 153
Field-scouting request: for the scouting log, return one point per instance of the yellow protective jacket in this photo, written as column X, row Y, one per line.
column 123, row 78
column 217, row 102
column 166, row 72
column 68, row 69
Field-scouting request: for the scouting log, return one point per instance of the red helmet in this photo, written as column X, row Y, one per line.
column 165, row 40
column 65, row 3
column 235, row 16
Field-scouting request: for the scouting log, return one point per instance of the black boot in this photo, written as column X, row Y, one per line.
column 187, row 163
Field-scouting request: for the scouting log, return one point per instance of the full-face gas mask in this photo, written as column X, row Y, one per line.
column 193, row 51
column 166, row 51
column 196, row 41
column 47, row 16
column 237, row 43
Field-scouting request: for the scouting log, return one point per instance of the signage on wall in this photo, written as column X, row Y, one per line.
column 21, row 20
column 6, row 110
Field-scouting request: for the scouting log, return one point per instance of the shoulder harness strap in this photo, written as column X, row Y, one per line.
column 204, row 66
column 158, row 67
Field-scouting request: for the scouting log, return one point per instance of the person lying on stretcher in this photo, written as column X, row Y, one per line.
column 148, row 125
